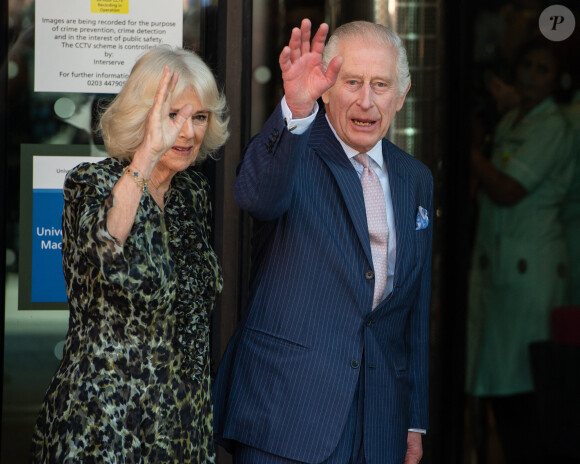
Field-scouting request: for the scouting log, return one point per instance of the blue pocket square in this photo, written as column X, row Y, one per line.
column 422, row 220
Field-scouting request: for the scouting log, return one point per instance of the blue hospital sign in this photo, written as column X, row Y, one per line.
column 47, row 280
column 47, row 276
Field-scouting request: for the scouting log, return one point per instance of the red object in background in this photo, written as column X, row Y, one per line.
column 566, row 325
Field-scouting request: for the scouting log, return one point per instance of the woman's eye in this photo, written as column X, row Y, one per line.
column 200, row 119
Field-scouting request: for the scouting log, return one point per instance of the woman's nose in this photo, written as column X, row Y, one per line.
column 188, row 129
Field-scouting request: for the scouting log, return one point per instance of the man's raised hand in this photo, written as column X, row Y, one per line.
column 305, row 79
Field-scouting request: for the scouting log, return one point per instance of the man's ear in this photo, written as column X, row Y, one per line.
column 401, row 99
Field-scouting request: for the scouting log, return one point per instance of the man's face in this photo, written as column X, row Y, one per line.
column 365, row 98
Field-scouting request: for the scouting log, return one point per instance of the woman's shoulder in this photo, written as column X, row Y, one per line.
column 99, row 176
column 96, row 171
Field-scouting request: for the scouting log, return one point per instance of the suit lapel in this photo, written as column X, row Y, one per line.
column 402, row 207
column 325, row 144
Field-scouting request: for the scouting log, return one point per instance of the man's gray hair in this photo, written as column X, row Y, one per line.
column 377, row 33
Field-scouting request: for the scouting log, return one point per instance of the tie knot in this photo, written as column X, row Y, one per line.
column 363, row 159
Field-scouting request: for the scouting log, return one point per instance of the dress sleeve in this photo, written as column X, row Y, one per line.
column 140, row 261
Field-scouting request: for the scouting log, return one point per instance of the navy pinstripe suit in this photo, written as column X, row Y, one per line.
column 287, row 379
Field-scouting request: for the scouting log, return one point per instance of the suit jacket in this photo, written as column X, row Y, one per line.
column 289, row 374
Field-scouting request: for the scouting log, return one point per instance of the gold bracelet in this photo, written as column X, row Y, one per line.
column 140, row 181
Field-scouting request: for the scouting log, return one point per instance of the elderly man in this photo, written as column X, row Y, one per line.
column 330, row 365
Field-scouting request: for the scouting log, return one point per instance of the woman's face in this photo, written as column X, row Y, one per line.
column 183, row 154
column 537, row 75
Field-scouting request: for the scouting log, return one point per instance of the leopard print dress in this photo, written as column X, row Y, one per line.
column 134, row 382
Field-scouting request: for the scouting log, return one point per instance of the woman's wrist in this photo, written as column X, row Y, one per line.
column 137, row 177
column 143, row 163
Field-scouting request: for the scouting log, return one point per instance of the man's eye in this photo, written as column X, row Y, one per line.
column 172, row 115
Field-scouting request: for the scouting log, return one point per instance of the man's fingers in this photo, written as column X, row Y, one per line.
column 333, row 69
column 299, row 44
column 284, row 60
column 305, row 30
column 319, row 39
column 294, row 45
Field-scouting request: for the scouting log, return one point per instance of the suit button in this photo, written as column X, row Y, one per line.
column 369, row 275
column 354, row 364
column 369, row 322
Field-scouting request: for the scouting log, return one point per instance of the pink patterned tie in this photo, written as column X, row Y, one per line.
column 377, row 224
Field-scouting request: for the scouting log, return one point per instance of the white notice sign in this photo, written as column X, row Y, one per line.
column 90, row 46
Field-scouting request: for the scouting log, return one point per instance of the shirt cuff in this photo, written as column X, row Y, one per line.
column 297, row 126
column 421, row 431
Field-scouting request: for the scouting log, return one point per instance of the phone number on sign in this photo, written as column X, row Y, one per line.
column 107, row 83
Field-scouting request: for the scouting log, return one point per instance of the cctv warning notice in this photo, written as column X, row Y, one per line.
column 90, row 47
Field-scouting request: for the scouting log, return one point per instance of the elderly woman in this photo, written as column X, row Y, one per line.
column 141, row 277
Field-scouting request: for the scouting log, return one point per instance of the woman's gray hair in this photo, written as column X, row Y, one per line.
column 380, row 35
column 122, row 125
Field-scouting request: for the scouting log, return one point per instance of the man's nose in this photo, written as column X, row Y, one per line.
column 366, row 96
